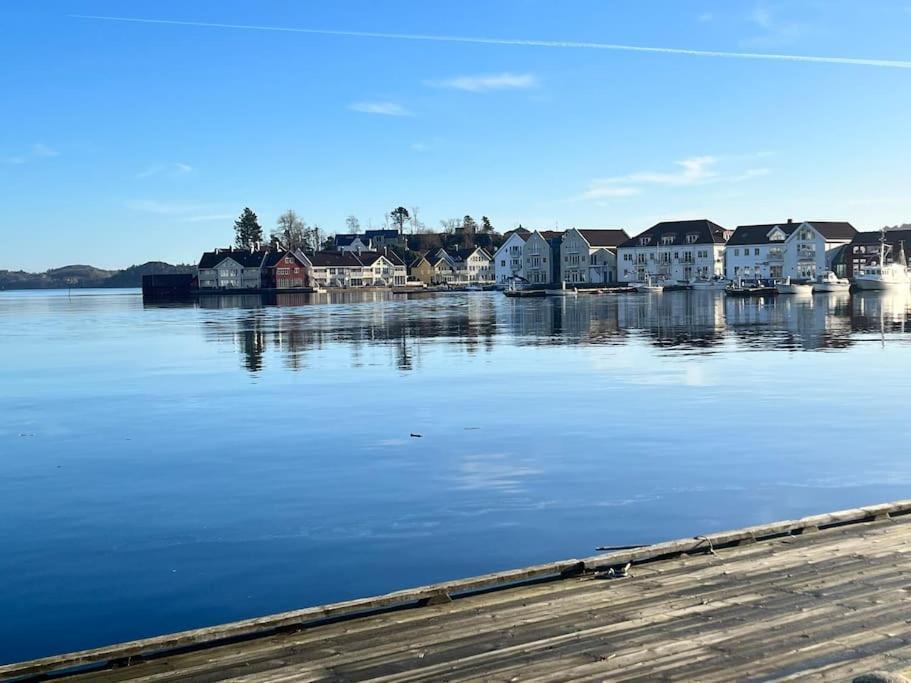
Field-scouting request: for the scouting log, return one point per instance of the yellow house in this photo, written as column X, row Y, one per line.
column 422, row 270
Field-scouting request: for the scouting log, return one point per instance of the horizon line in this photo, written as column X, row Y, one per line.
column 767, row 56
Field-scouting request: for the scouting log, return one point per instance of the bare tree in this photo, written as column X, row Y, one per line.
column 290, row 231
column 416, row 225
column 449, row 225
column 353, row 224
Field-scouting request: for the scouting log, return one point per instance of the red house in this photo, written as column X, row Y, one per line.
column 284, row 270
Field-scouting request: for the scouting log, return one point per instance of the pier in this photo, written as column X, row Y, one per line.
column 826, row 597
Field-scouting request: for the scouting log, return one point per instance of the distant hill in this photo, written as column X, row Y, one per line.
column 79, row 276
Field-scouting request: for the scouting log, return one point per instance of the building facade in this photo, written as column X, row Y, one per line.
column 579, row 246
column 674, row 251
column 231, row 269
column 508, row 262
column 284, row 270
column 541, row 257
column 864, row 248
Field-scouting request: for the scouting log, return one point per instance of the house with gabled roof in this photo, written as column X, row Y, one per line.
column 795, row 249
column 383, row 238
column 231, row 269
column 382, row 269
column 472, row 266
column 590, row 255
column 352, row 242
column 508, row 265
column 674, row 251
column 285, row 270
column 541, row 257
column 332, row 268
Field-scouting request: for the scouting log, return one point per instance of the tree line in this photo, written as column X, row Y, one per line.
column 292, row 232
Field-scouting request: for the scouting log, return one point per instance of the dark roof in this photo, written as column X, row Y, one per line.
column 244, row 257
column 275, row 256
column 435, row 259
column 344, row 239
column 834, row 230
column 758, row 234
column 368, row 258
column 334, row 259
column 609, row 237
column 386, row 234
column 893, row 237
column 550, row 234
column 707, row 231
column 463, row 254
column 522, row 232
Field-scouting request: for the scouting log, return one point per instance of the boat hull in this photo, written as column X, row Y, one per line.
column 875, row 284
column 828, row 287
column 794, row 288
column 751, row 291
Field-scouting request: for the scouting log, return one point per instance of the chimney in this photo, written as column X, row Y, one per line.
column 790, row 221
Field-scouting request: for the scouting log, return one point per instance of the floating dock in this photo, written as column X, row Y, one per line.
column 826, row 597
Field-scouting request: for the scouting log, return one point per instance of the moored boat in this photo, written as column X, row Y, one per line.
column 741, row 290
column 525, row 293
column 885, row 276
column 715, row 283
column 787, row 286
column 830, row 282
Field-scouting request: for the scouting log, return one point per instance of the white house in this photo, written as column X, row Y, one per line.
column 800, row 250
column 382, row 269
column 473, row 266
column 809, row 249
column 508, row 262
column 231, row 269
column 352, row 242
column 541, row 257
column 590, row 255
column 674, row 251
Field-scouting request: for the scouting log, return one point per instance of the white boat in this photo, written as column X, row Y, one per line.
column 786, row 286
column 648, row 286
column 830, row 282
column 713, row 284
column 884, row 275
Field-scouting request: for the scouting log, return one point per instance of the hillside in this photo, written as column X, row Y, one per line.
column 80, row 276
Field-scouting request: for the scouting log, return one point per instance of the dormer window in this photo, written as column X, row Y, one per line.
column 667, row 239
column 776, row 235
column 692, row 237
column 644, row 241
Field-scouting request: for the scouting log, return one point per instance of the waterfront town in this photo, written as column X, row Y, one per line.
column 680, row 254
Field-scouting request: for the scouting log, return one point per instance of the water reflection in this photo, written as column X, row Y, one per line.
column 291, row 325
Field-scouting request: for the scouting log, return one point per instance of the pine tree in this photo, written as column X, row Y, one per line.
column 486, row 227
column 248, row 233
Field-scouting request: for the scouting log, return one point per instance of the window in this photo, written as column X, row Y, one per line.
column 756, row 252
column 667, row 239
column 502, row 263
column 692, row 237
column 737, row 252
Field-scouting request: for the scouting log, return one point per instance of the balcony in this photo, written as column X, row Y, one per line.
column 775, row 257
column 806, row 255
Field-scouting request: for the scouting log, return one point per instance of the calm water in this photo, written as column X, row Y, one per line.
column 163, row 468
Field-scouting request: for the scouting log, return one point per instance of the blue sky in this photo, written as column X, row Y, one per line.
column 122, row 142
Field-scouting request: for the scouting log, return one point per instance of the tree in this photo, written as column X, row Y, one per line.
column 290, row 232
column 486, row 227
column 416, row 225
column 398, row 216
column 248, row 233
column 353, row 224
column 450, row 224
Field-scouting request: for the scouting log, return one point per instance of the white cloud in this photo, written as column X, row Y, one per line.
column 41, row 150
column 487, row 82
column 173, row 170
column 706, row 17
column 419, row 147
column 37, row 151
column 774, row 32
column 699, row 170
column 383, row 108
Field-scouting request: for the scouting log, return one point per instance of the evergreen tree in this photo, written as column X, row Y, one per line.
column 399, row 215
column 486, row 227
column 248, row 233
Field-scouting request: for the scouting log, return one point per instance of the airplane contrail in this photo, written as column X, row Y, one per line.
column 854, row 61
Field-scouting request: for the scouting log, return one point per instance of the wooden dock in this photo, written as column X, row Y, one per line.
column 821, row 598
